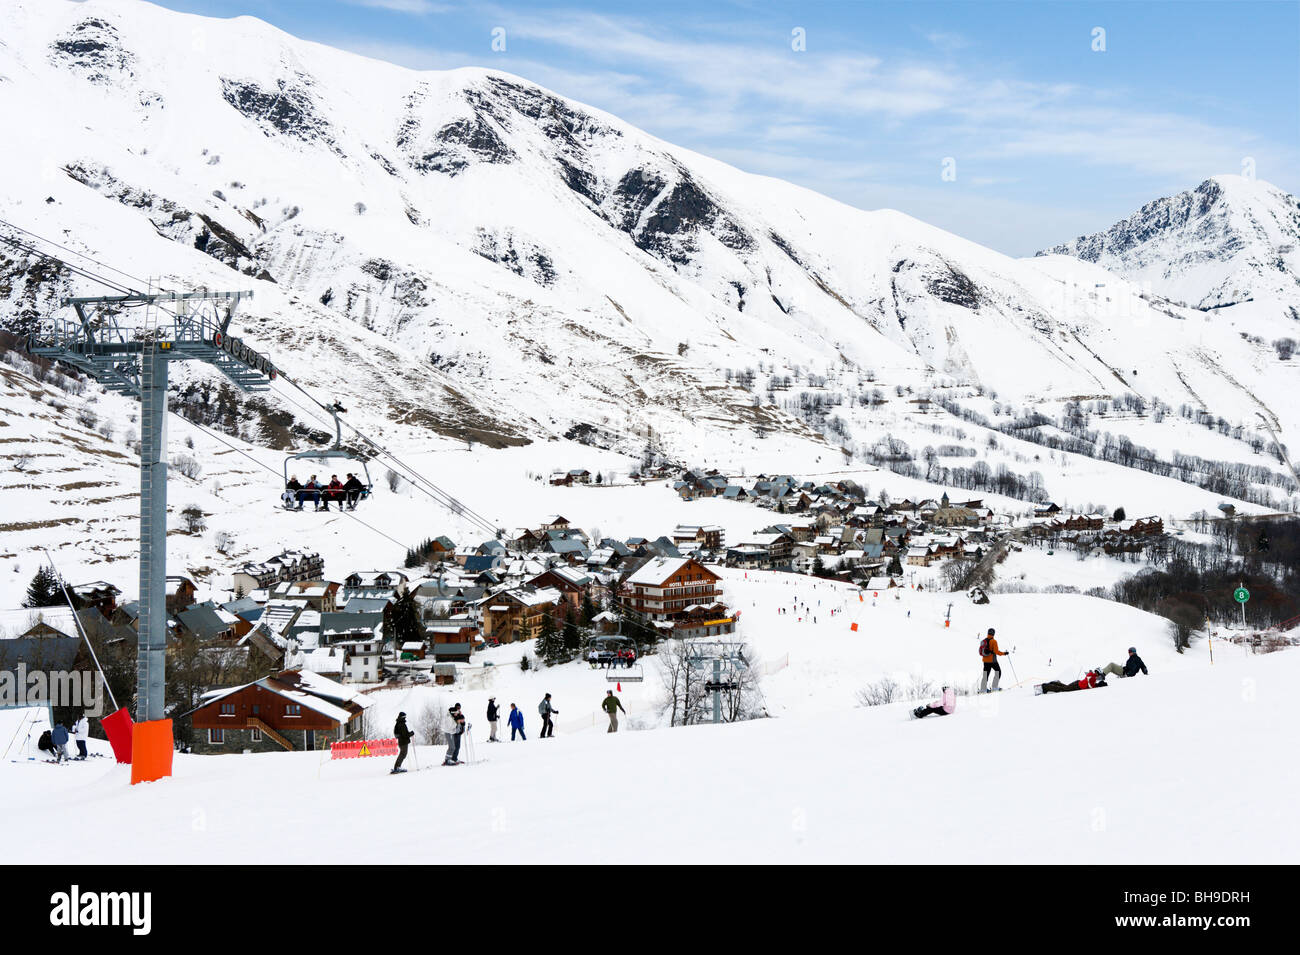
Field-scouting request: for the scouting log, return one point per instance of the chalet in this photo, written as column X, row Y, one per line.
column 555, row 523
column 708, row 536
column 41, row 639
column 361, row 658
column 777, row 546
column 663, row 588
column 340, row 628
column 180, row 593
column 452, row 641
column 1083, row 522
column 207, row 622
column 517, row 613
column 293, row 710
column 321, row 595
column 441, row 549
column 98, row 594
column 571, row 583
column 376, row 580
column 290, row 565
column 1046, row 509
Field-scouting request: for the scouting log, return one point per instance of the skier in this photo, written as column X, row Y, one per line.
column 46, row 744
column 60, row 739
column 403, row 735
column 310, row 492
column 79, row 729
column 1130, row 668
column 516, row 723
column 334, row 492
column 292, row 494
column 493, row 714
column 352, row 489
column 940, row 707
column 1092, row 679
column 545, row 709
column 455, row 728
column 611, row 705
column 989, row 653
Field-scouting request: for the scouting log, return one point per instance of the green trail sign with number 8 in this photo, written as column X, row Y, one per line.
column 1241, row 595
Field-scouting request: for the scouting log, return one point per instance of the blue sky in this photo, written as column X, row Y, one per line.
column 1050, row 137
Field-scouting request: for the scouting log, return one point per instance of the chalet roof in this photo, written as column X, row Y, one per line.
column 346, row 622
column 658, row 569
column 206, row 621
column 366, row 605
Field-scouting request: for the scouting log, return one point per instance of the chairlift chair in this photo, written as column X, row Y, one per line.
column 327, row 457
column 608, row 648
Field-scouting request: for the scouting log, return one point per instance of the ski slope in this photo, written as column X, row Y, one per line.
column 1146, row 771
column 1149, row 770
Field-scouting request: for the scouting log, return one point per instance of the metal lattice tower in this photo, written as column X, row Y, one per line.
column 718, row 653
column 133, row 360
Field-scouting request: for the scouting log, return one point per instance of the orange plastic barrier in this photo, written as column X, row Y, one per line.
column 117, row 727
column 357, row 748
column 151, row 751
column 853, row 627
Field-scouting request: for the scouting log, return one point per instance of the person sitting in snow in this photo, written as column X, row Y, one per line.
column 940, row 707
column 1130, row 668
column 1093, row 678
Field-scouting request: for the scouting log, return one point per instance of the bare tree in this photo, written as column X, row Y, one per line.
column 885, row 690
column 683, row 685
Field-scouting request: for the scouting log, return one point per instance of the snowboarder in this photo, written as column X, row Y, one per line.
column 59, row 736
column 516, row 723
column 1093, row 678
column 989, row 653
column 403, row 736
column 545, row 709
column 493, row 715
column 611, row 705
column 46, row 744
column 79, row 730
column 1130, row 668
column 940, row 707
column 456, row 726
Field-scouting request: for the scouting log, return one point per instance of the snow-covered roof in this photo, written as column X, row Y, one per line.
column 656, row 570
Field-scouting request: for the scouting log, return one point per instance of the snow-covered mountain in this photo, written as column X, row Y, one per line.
column 1229, row 240
column 470, row 254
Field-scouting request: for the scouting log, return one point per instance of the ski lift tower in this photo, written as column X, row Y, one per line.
column 702, row 654
column 132, row 360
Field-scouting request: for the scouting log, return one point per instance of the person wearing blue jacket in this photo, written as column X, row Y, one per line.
column 516, row 723
column 60, row 740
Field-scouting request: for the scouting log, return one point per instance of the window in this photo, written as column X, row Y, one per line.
column 292, row 709
column 227, row 709
column 216, row 736
column 257, row 735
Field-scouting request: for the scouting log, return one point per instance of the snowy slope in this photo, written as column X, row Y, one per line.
column 1229, row 240
column 1088, row 777
column 527, row 262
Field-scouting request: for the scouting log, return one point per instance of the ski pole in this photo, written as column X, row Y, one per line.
column 1013, row 668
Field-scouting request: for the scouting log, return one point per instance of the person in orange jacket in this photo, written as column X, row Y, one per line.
column 989, row 653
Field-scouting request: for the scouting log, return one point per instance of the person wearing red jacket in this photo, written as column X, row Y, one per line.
column 989, row 653
column 1091, row 680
